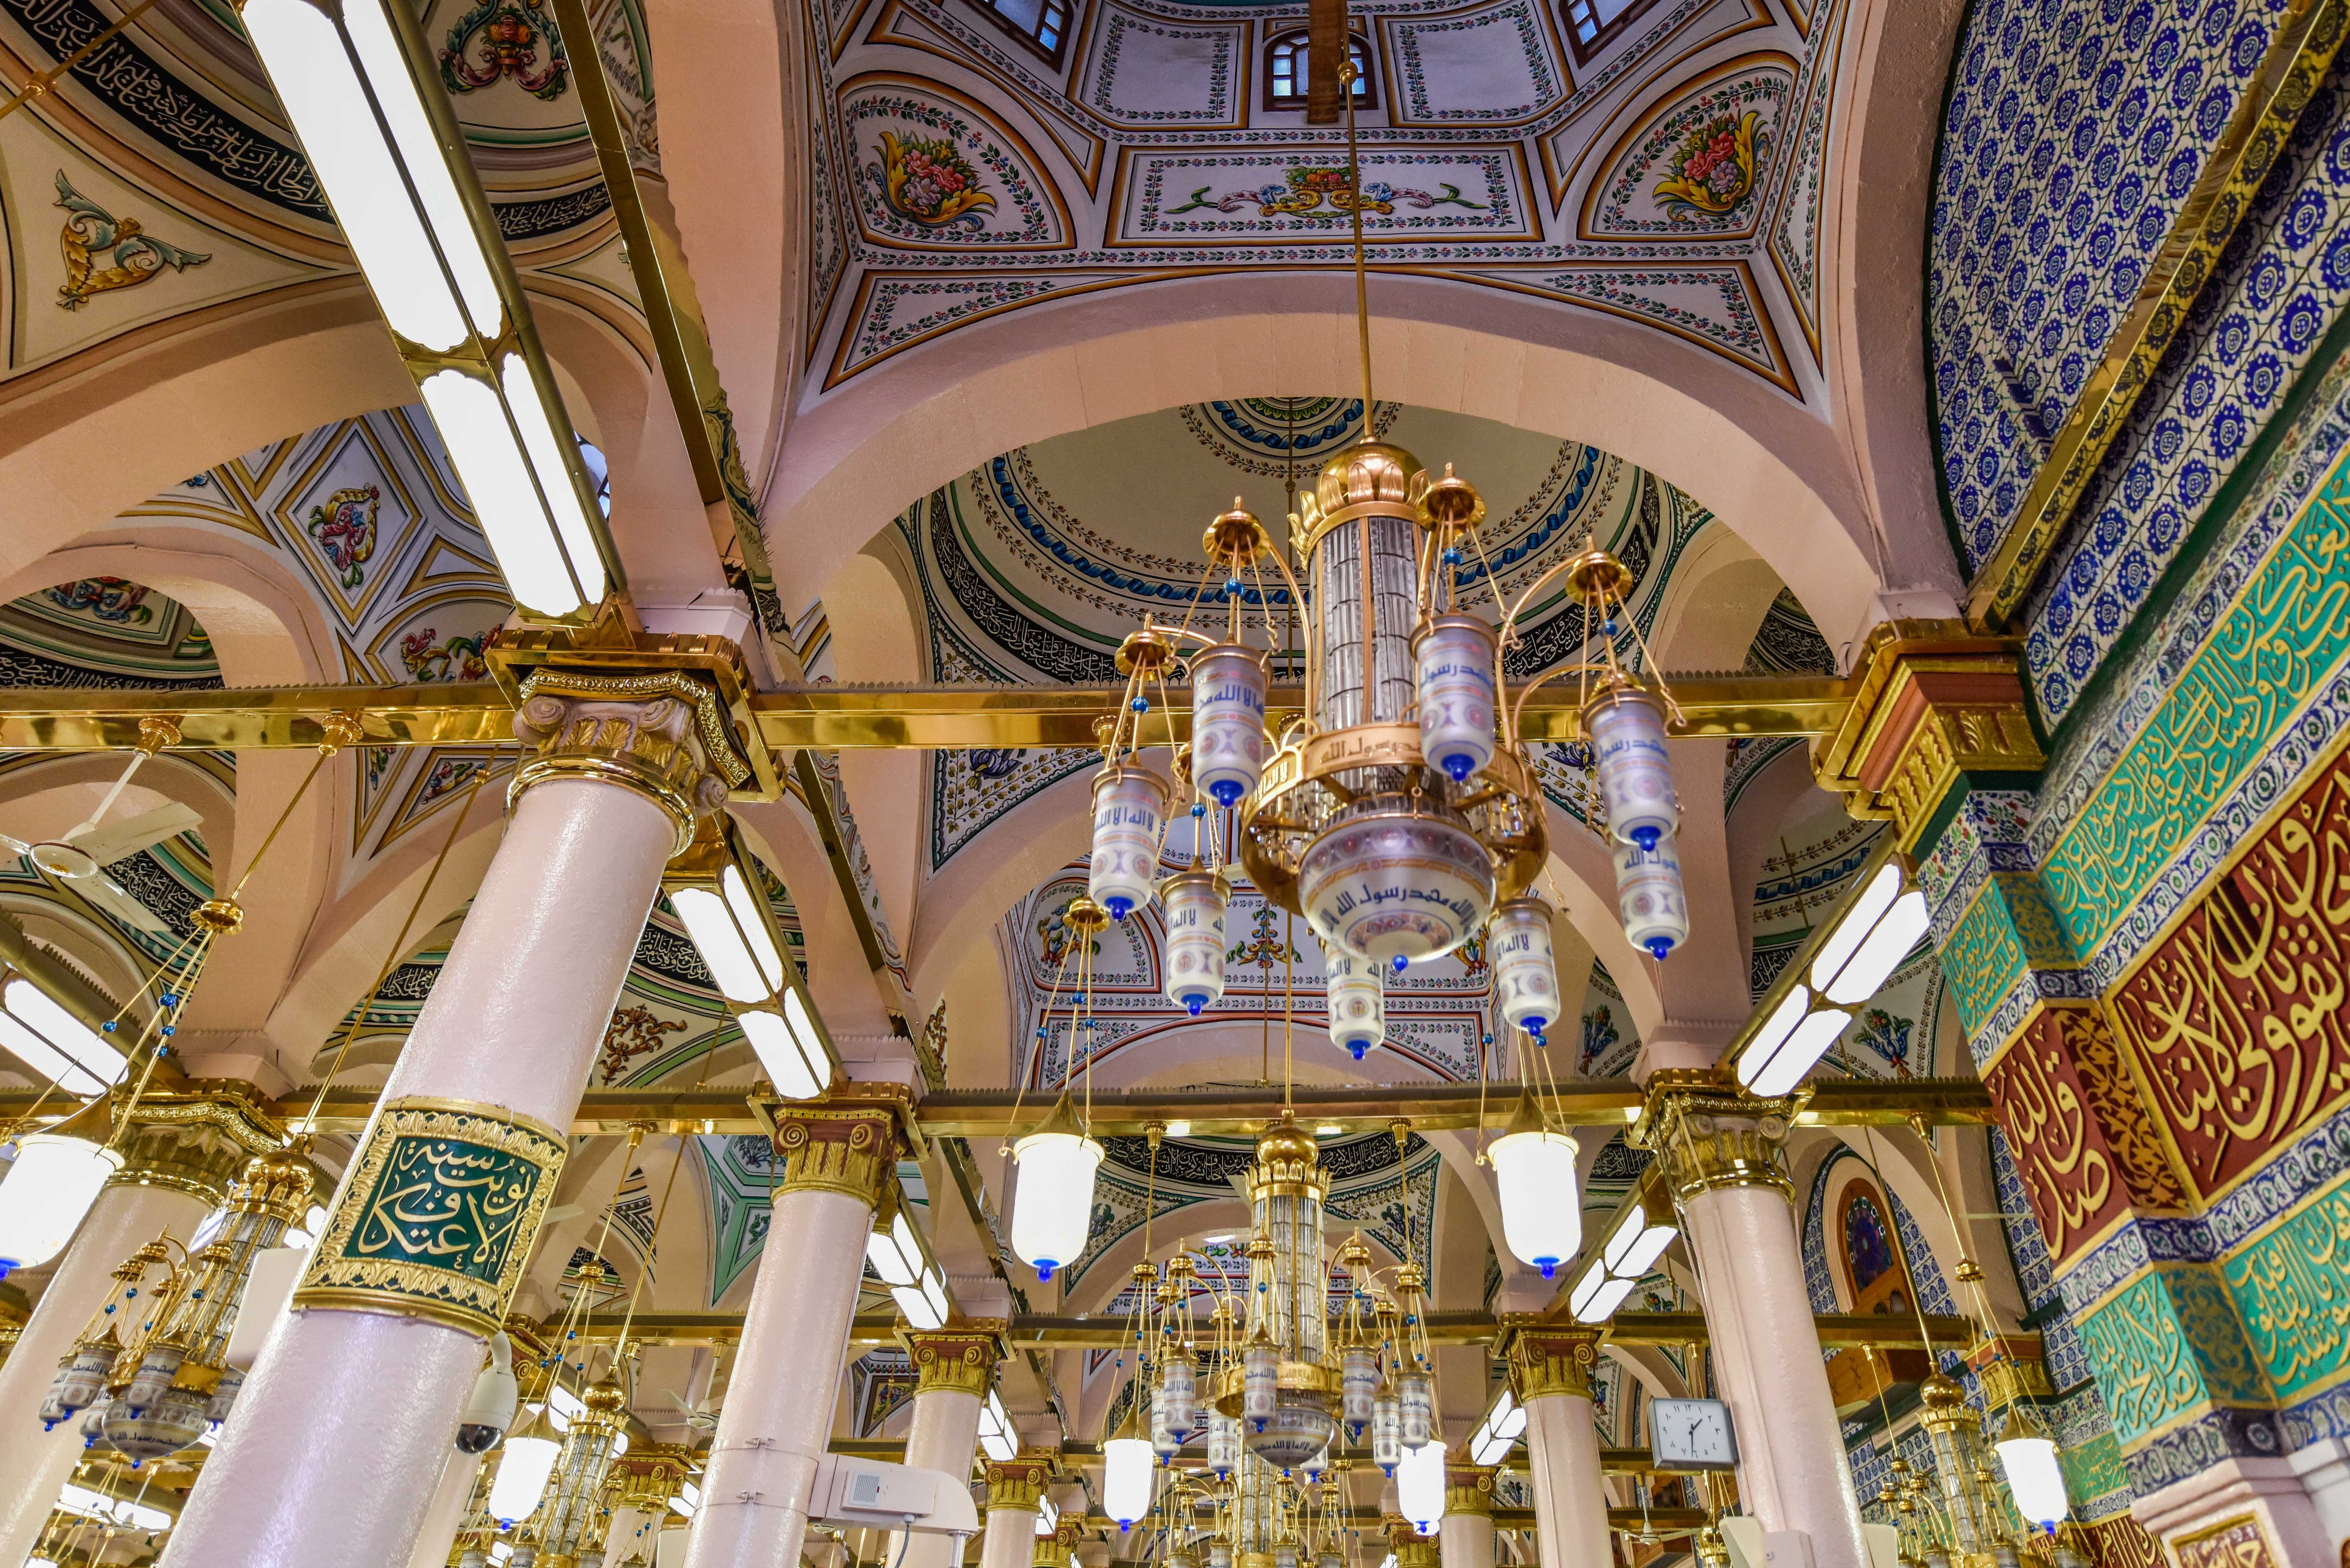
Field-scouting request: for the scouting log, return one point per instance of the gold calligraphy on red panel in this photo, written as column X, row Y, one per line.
column 2082, row 1141
column 2236, row 1016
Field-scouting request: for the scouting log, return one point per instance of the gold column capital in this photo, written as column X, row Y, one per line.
column 1548, row 1357
column 196, row 1136
column 1708, row 1135
column 847, row 1142
column 658, row 732
column 1019, row 1482
column 1469, row 1488
column 1931, row 701
column 1411, row 1549
column 649, row 1475
column 958, row 1356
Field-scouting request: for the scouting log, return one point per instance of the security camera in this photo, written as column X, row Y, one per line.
column 490, row 1409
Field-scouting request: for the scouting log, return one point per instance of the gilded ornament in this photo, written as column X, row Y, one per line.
column 196, row 1138
column 2237, row 1542
column 847, row 1143
column 1548, row 1359
column 1710, row 1135
column 437, row 1216
column 132, row 256
column 961, row 1357
column 659, row 734
column 1469, row 1488
column 1019, row 1482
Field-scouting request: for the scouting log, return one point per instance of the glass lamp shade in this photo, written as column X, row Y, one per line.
column 45, row 1195
column 1525, row 970
column 1419, row 1487
column 1224, row 1443
column 1454, row 654
column 1052, row 1213
column 1227, row 722
column 1179, row 1380
column 2029, row 1459
column 1396, row 885
column 1194, row 901
column 1358, row 1385
column 1650, row 899
column 1358, row 1011
column 1292, row 1435
column 1130, row 812
column 1128, row 1477
column 1627, row 726
column 1387, row 1431
column 1540, row 1217
column 524, row 1465
column 1416, row 1397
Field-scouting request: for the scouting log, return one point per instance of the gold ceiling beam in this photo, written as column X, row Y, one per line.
column 826, row 718
column 1106, row 1331
column 1236, row 1112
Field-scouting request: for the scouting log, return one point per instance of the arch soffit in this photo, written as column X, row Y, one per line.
column 1768, row 468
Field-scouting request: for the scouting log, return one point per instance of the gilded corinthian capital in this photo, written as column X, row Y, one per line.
column 960, row 1356
column 847, row 1142
column 657, row 733
column 1548, row 1359
column 1709, row 1134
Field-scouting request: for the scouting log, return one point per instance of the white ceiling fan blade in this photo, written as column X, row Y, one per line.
column 12, row 845
column 132, row 834
column 107, row 804
column 108, row 897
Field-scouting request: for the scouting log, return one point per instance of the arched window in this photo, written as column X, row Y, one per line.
column 1285, row 69
column 1593, row 25
column 1043, row 24
column 1874, row 1271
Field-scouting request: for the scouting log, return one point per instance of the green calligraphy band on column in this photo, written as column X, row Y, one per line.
column 438, row 1218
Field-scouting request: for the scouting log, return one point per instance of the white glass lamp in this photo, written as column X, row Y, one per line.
column 1128, row 1476
column 1419, row 1487
column 1541, row 1216
column 46, row 1193
column 363, row 94
column 1052, row 1212
column 524, row 1465
column 2029, row 1458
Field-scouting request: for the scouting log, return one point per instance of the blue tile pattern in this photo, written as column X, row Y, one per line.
column 2074, row 131
column 2068, row 1363
column 2277, row 287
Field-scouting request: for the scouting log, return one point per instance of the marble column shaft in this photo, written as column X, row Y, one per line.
column 1550, row 1373
column 776, row 1420
column 361, row 1407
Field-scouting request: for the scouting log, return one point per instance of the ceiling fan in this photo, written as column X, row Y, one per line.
column 79, row 856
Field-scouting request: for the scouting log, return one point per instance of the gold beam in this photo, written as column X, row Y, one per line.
column 987, row 1113
column 1082, row 1331
column 2299, row 55
column 826, row 718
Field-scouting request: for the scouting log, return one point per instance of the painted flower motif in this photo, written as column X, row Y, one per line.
column 926, row 181
column 1712, row 171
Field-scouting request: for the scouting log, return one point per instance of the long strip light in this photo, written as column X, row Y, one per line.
column 716, row 890
column 1499, row 1432
column 1637, row 1237
column 38, row 1031
column 895, row 1253
column 361, row 89
column 1846, row 962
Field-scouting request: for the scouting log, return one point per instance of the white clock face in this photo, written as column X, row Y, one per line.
column 1691, row 1435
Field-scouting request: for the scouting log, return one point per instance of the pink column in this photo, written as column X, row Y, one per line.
column 777, row 1418
column 1015, row 1488
column 1465, row 1538
column 333, row 1453
column 1550, row 1373
column 1737, row 1219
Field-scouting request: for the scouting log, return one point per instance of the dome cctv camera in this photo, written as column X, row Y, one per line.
column 490, row 1409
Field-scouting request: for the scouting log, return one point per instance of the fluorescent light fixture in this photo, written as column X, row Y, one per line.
column 1631, row 1249
column 1856, row 921
column 1807, row 1045
column 934, row 1293
column 1773, row 1033
column 881, row 1250
column 364, row 98
column 1048, row 1516
column 998, row 1446
column 1599, row 1304
column 30, row 1015
column 1882, row 954
column 916, row 1308
column 778, row 1050
column 754, row 930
